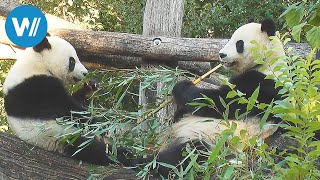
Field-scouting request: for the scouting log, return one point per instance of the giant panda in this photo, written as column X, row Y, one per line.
column 191, row 124
column 35, row 95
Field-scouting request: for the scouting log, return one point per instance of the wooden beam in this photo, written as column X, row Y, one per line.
column 101, row 43
column 115, row 61
column 161, row 48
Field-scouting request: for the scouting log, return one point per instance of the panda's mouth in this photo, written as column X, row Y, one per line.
column 229, row 64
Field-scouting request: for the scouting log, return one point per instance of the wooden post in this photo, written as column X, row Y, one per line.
column 161, row 18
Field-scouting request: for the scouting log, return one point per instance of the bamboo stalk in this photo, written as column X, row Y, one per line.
column 168, row 101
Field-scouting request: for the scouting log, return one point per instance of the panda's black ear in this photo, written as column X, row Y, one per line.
column 44, row 44
column 250, row 20
column 269, row 27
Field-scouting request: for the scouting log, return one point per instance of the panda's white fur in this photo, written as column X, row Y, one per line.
column 43, row 134
column 35, row 96
column 193, row 127
column 206, row 124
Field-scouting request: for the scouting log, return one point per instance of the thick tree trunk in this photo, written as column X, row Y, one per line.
column 161, row 18
column 19, row 160
column 23, row 161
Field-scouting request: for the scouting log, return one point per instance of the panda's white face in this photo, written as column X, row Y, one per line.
column 53, row 57
column 62, row 61
column 235, row 55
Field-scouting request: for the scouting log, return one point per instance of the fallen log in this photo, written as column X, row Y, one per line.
column 160, row 48
column 20, row 160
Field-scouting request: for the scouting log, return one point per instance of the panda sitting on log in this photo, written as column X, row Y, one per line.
column 35, row 95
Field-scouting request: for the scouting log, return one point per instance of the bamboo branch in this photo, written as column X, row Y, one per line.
column 168, row 101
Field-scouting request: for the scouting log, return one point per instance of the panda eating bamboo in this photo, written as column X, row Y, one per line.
column 201, row 127
column 35, row 95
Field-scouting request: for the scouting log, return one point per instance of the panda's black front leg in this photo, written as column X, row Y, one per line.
column 185, row 92
column 81, row 94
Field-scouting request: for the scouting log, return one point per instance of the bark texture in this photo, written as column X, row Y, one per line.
column 20, row 160
column 7, row 5
column 161, row 18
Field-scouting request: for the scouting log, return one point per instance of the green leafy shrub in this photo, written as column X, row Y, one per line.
column 206, row 18
column 108, row 15
column 4, row 68
column 304, row 18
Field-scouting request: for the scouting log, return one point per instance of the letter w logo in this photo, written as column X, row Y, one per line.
column 25, row 25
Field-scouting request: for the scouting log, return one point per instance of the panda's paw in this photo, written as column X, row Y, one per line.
column 182, row 87
column 124, row 156
column 90, row 87
column 93, row 84
column 185, row 92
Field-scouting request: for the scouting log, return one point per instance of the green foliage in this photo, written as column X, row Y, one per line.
column 301, row 111
column 129, row 14
column 206, row 18
column 82, row 12
column 299, row 82
column 108, row 15
column 304, row 17
column 4, row 68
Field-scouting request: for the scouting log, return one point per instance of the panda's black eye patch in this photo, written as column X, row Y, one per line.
column 240, row 46
column 72, row 63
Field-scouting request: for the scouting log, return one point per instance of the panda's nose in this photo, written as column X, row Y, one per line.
column 85, row 73
column 222, row 55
